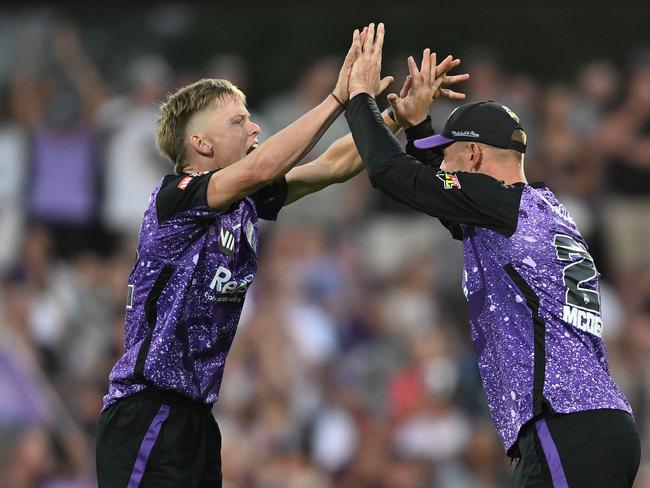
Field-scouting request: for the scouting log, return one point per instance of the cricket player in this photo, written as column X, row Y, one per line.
column 530, row 282
column 197, row 256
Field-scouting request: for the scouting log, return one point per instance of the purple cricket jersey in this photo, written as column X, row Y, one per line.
column 187, row 288
column 531, row 284
column 535, row 317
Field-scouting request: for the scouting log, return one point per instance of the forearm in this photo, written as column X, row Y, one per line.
column 390, row 169
column 420, row 131
column 272, row 159
column 339, row 163
column 377, row 146
column 343, row 157
column 283, row 150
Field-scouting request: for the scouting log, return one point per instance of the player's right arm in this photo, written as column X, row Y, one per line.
column 462, row 198
column 282, row 151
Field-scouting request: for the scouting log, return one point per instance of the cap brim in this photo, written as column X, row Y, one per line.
column 432, row 141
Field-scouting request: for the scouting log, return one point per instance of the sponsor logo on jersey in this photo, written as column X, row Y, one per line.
column 450, row 181
column 465, row 133
column 226, row 242
column 184, row 182
column 223, row 284
column 250, row 235
column 129, row 297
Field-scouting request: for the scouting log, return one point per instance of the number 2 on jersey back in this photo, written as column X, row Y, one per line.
column 577, row 273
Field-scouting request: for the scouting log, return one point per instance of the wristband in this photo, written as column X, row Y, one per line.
column 337, row 100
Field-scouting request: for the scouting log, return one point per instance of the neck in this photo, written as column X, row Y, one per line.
column 200, row 166
column 508, row 175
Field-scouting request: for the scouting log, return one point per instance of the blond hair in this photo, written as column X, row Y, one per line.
column 179, row 107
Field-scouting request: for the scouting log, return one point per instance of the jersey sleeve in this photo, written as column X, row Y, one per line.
column 424, row 129
column 432, row 157
column 270, row 199
column 458, row 198
column 183, row 192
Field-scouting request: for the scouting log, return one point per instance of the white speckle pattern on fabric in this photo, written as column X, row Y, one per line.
column 576, row 372
column 198, row 308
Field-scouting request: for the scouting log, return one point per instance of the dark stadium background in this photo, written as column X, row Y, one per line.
column 352, row 366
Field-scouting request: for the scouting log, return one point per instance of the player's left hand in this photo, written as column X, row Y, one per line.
column 366, row 69
column 341, row 91
column 422, row 86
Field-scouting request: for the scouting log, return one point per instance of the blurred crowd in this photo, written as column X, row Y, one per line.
column 352, row 366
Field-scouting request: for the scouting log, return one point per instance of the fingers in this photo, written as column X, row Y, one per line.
column 355, row 49
column 452, row 95
column 379, row 39
column 448, row 63
column 431, row 72
column 413, row 68
column 383, row 84
column 452, row 80
column 406, row 87
column 425, row 66
column 370, row 38
column 435, row 86
column 362, row 36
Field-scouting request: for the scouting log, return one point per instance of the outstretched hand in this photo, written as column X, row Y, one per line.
column 341, row 92
column 424, row 85
column 366, row 67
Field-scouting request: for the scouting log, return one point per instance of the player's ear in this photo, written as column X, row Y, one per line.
column 201, row 146
column 476, row 157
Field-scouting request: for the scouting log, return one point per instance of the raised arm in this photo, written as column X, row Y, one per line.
column 461, row 198
column 339, row 163
column 283, row 150
column 342, row 161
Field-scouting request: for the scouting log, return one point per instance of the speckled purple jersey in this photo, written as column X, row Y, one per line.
column 531, row 285
column 535, row 317
column 187, row 288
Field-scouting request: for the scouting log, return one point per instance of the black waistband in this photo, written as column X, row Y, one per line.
column 172, row 398
column 573, row 428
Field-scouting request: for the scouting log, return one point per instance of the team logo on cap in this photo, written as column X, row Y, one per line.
column 511, row 113
column 450, row 181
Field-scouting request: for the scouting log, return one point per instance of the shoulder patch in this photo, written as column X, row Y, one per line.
column 450, row 180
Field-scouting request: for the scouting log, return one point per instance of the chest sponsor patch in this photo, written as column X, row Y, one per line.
column 450, row 181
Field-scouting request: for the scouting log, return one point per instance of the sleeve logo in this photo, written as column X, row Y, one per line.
column 184, row 182
column 450, row 181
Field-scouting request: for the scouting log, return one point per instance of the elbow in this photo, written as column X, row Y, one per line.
column 375, row 177
column 380, row 178
column 339, row 173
